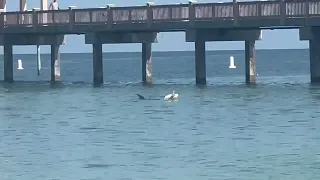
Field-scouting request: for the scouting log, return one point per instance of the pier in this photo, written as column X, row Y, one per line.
column 201, row 22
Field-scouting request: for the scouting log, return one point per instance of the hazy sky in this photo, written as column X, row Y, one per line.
column 276, row 39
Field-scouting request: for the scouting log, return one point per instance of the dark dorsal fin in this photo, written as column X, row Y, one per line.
column 140, row 96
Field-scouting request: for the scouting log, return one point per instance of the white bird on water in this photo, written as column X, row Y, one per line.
column 172, row 96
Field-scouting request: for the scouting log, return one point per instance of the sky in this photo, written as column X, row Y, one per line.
column 272, row 39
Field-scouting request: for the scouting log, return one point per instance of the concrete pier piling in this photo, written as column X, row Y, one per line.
column 250, row 62
column 96, row 40
column 31, row 39
column 312, row 34
column 97, row 64
column 8, row 63
column 55, row 63
column 23, row 5
column 147, row 63
column 144, row 38
column 200, row 36
column 200, row 62
column 314, row 49
column 3, row 5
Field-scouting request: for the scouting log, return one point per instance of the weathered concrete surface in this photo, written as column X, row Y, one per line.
column 314, row 49
column 147, row 63
column 200, row 62
column 3, row 5
column 313, row 35
column 121, row 37
column 23, row 5
column 8, row 63
column 222, row 35
column 44, row 5
column 32, row 39
column 97, row 64
column 250, row 62
column 309, row 33
column 55, row 63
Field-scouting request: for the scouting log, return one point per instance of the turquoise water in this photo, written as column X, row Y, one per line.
column 226, row 130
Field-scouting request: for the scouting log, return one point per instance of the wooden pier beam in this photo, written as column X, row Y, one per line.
column 250, row 62
column 55, row 63
column 8, row 63
column 97, row 64
column 200, row 62
column 146, row 63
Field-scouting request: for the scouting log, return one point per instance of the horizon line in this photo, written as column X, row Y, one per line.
column 161, row 51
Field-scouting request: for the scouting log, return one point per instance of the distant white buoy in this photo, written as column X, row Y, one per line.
column 232, row 66
column 173, row 96
column 38, row 60
column 20, row 64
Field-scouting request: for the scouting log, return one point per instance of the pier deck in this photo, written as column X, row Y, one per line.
column 161, row 18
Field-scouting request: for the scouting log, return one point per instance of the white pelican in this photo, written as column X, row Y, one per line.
column 172, row 96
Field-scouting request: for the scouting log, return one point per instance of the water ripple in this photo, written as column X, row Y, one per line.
column 268, row 131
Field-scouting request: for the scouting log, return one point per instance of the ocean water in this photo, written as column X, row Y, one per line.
column 223, row 131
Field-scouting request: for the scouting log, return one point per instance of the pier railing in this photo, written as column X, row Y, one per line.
column 149, row 14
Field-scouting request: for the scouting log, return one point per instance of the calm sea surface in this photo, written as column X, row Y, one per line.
column 224, row 131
